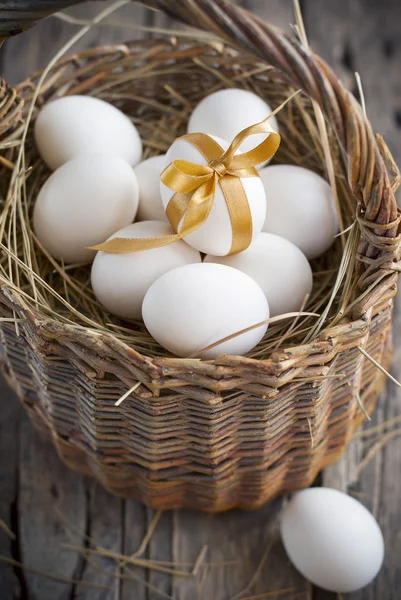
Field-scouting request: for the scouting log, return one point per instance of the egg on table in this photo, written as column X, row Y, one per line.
column 227, row 112
column 280, row 269
column 300, row 207
column 215, row 235
column 192, row 307
column 332, row 539
column 75, row 125
column 148, row 175
column 120, row 281
column 83, row 203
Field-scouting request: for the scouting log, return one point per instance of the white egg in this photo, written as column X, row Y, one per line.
column 278, row 267
column 75, row 125
column 227, row 112
column 120, row 281
column 332, row 539
column 192, row 307
column 83, row 203
column 300, row 208
column 215, row 235
column 150, row 202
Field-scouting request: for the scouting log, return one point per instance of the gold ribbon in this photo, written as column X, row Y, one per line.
column 195, row 185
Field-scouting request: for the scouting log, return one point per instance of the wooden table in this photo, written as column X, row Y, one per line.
column 48, row 507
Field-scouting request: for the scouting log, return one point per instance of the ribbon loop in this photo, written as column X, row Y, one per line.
column 195, row 186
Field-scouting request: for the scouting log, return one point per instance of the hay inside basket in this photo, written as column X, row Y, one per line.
column 157, row 83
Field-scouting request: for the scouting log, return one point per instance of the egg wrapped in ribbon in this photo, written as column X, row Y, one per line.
column 212, row 193
column 198, row 170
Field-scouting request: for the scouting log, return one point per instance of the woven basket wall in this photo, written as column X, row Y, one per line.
column 235, row 431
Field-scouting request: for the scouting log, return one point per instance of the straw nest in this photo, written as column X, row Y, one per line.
column 159, row 93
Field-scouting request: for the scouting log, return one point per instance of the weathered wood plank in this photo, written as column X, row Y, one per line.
column 104, row 530
column 249, row 541
column 160, row 549
column 52, row 511
column 134, row 530
column 363, row 36
column 10, row 418
column 360, row 36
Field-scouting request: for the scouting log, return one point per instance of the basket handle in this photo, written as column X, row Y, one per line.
column 368, row 177
column 367, row 173
column 17, row 16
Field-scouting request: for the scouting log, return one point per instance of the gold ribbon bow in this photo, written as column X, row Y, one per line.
column 195, row 185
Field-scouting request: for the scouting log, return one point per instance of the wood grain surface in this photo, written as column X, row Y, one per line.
column 54, row 513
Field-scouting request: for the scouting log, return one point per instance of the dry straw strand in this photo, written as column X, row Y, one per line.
column 367, row 432
column 255, row 577
column 126, row 561
column 320, row 121
column 271, row 594
column 59, row 578
column 379, row 366
column 377, row 446
column 7, row 530
column 130, row 391
column 361, row 406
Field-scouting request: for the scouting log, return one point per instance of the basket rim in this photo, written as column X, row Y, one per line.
column 41, row 320
column 49, row 328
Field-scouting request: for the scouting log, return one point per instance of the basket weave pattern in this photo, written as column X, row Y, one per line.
column 235, row 431
column 189, row 446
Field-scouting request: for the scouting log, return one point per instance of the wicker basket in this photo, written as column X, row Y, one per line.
column 235, row 431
